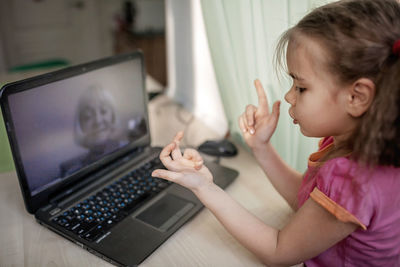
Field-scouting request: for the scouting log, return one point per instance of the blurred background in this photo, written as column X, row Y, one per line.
column 38, row 34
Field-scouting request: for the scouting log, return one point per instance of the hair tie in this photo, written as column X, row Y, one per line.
column 396, row 48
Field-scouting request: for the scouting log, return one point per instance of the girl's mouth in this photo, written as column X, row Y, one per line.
column 291, row 115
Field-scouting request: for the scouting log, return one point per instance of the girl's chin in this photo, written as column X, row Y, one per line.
column 304, row 132
column 308, row 134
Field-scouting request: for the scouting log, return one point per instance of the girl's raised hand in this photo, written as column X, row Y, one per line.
column 187, row 169
column 257, row 123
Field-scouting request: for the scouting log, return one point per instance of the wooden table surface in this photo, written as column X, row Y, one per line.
column 200, row 242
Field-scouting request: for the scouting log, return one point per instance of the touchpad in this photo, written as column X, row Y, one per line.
column 165, row 212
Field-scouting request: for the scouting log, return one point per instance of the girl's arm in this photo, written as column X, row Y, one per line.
column 311, row 231
column 285, row 179
column 258, row 125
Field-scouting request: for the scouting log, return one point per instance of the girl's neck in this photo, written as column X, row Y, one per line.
column 344, row 137
column 341, row 145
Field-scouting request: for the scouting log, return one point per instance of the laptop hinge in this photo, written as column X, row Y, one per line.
column 95, row 178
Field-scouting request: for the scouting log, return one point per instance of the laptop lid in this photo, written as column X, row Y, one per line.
column 66, row 124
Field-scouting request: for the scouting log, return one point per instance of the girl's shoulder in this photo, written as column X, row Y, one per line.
column 346, row 168
column 357, row 188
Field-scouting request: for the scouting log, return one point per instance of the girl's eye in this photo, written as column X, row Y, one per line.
column 300, row 89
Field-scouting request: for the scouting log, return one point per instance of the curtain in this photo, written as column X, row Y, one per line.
column 242, row 36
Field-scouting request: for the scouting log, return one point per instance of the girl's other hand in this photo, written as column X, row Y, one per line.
column 257, row 123
column 187, row 169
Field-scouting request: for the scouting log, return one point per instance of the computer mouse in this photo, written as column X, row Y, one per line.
column 221, row 148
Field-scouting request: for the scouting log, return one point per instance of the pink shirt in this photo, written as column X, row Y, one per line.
column 368, row 198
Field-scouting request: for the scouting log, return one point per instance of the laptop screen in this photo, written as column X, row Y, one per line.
column 65, row 126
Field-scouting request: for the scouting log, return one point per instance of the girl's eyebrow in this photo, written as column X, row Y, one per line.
column 294, row 76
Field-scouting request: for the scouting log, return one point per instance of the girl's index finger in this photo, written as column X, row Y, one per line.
column 178, row 137
column 176, row 152
column 165, row 155
column 262, row 98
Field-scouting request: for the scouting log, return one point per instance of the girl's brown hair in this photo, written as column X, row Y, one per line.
column 359, row 36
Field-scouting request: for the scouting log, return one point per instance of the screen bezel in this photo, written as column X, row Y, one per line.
column 33, row 203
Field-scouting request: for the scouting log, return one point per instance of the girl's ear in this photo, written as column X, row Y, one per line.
column 360, row 96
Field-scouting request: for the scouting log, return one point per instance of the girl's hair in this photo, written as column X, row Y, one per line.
column 358, row 36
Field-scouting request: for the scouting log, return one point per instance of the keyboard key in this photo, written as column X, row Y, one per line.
column 94, row 233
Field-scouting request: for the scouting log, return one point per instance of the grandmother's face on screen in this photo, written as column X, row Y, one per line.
column 96, row 118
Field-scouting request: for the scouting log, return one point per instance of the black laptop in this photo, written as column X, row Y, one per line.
column 80, row 140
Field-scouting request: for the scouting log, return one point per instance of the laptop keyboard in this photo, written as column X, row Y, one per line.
column 95, row 215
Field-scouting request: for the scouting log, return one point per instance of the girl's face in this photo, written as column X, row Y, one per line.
column 317, row 100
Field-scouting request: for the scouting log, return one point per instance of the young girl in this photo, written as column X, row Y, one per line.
column 344, row 59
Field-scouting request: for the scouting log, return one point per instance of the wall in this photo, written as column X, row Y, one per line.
column 150, row 15
column 191, row 77
column 2, row 58
column 106, row 17
column 77, row 31
column 92, row 23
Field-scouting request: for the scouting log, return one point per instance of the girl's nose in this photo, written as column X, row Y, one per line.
column 290, row 97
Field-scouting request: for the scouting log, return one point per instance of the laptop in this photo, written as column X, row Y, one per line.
column 80, row 141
